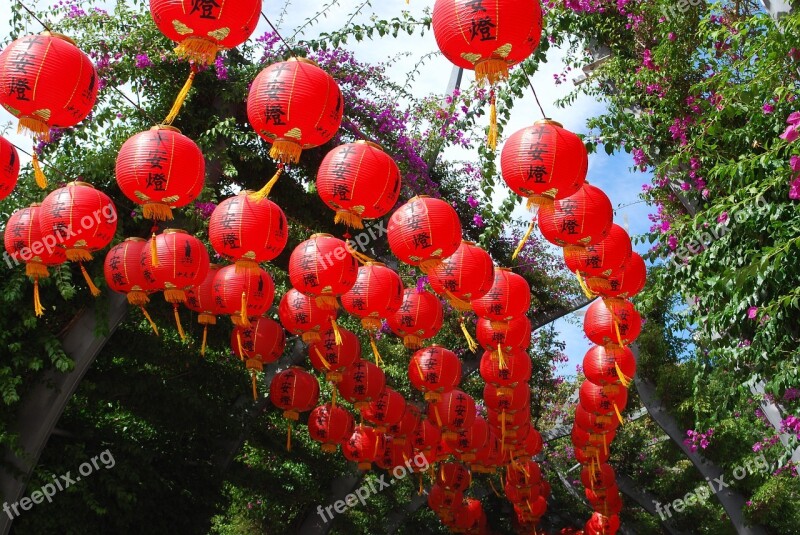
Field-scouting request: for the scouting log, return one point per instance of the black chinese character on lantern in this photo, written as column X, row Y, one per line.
column 205, row 7
column 537, row 173
column 475, row 6
column 157, row 181
column 20, row 86
column 274, row 113
column 482, row 27
column 421, row 240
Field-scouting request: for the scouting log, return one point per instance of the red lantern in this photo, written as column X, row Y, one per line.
column 385, row 410
column 583, row 218
column 301, row 315
column 433, row 371
column 467, row 274
column 518, row 495
column 609, row 365
column 598, row 476
column 426, row 438
column 124, row 274
column 242, row 294
column 363, row 446
column 508, row 399
column 514, row 369
column 9, row 168
column 524, row 474
column 468, row 441
column 623, row 282
column 509, row 297
column 470, row 516
column 544, row 162
column 488, row 458
column 175, row 261
column 323, row 268
column 247, row 230
column 607, row 399
column 294, row 105
column 294, row 390
column 600, row 260
column 203, row 28
column 407, row 425
column 419, row 317
column 331, row 425
column 329, row 357
column 393, row 454
column 530, row 446
column 440, row 499
column 455, row 410
column 591, row 454
column 593, row 422
column 511, row 421
column 517, row 335
column 261, row 343
column 377, row 293
column 361, row 383
column 454, row 477
column 612, row 322
column 23, row 241
column 358, row 181
column 423, row 232
column 200, row 299
column 161, row 169
column 46, row 82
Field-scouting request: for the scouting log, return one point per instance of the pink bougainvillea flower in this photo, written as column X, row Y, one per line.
column 752, row 312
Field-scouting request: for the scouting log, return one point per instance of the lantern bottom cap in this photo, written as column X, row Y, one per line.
column 198, row 49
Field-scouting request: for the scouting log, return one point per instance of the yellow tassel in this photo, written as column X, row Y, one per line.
column 30, row 126
column 458, row 304
column 586, row 291
column 138, row 298
column 198, row 49
column 244, row 319
column 285, row 151
column 149, row 319
column 157, row 211
column 501, row 358
column 178, row 322
column 334, row 395
column 421, row 487
column 153, row 251
column 289, row 437
column 79, row 255
column 205, row 339
column 36, row 270
column 624, row 379
column 438, row 418
column 38, row 174
column 471, row 343
column 524, row 240
column 361, row 257
column 37, row 303
column 264, row 192
column 255, row 385
column 89, row 282
column 491, row 484
column 605, row 443
column 427, row 265
column 616, row 330
column 619, row 416
column 375, row 352
column 239, row 343
column 349, row 218
column 176, row 107
column 322, row 358
column 337, row 334
column 503, row 431
column 493, row 133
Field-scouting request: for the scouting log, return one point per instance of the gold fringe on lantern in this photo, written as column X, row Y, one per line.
column 491, row 70
column 239, row 344
column 181, row 98
column 149, row 319
column 501, row 358
column 458, row 304
column 624, row 379
column 432, row 263
column 36, row 269
column 371, row 324
column 178, row 322
column 157, row 211
column 375, row 352
column 174, row 295
column 322, row 358
column 337, row 334
column 242, row 320
column 89, row 282
column 524, row 240
column 616, row 330
column 491, row 141
column 33, row 127
column 431, row 396
column 285, row 151
column 537, row 201
column 37, row 303
column 255, row 384
column 264, row 192
column 79, row 255
column 310, row 337
column 619, row 415
column 350, row 219
column 244, row 265
column 198, row 49
column 412, row 341
column 138, row 298
column 38, row 174
column 471, row 343
column 329, row 448
column 582, row 282
column 153, row 251
column 326, row 302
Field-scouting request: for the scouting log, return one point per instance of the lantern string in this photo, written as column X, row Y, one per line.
column 135, row 105
column 274, row 29
column 49, row 165
column 181, row 98
column 32, row 14
column 149, row 319
column 535, row 96
column 37, row 303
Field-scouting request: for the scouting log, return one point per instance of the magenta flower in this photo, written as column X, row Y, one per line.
column 768, row 108
column 790, row 134
column 794, row 162
column 752, row 312
column 478, row 220
column 723, row 217
column 672, row 242
column 143, row 61
column 472, row 202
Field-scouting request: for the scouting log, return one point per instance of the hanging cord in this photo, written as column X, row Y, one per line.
column 38, row 174
column 535, row 96
column 274, row 29
column 135, row 105
column 181, row 98
column 32, row 14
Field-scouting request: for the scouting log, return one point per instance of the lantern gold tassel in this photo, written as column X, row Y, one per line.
column 285, row 151
column 624, row 379
column 438, row 417
column 178, row 322
column 264, row 192
column 491, row 484
column 38, row 174
column 242, row 320
column 153, row 251
column 157, row 211
column 198, row 49
column 37, row 303
column 239, row 343
column 458, row 304
column 492, row 140
column 337, row 334
column 421, row 486
column 471, row 343
column 89, row 282
column 619, row 416
column 255, row 384
column 334, row 395
column 33, row 127
column 616, row 330
column 501, row 358
column 350, row 219
column 289, row 437
column 205, row 340
column 79, row 255
column 586, row 291
column 181, row 98
column 149, row 319
column 322, row 358
column 524, row 240
column 375, row 352
column 427, row 265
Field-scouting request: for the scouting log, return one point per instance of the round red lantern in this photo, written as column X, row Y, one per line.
column 200, row 299
column 453, row 411
column 623, row 282
column 301, row 315
column 202, row 28
column 426, row 438
column 516, row 335
column 361, row 383
column 470, row 516
column 530, row 446
column 514, row 369
column 433, row 371
column 440, row 498
column 294, row 105
column 613, row 321
column 46, row 82
column 331, row 425
column 385, row 410
column 507, row 399
column 465, row 275
column 331, row 358
column 601, row 476
column 509, row 297
column 294, row 390
column 160, row 169
column 454, row 476
column 261, row 343
column 583, row 218
column 424, row 231
column 544, row 162
column 468, row 441
column 601, row 259
column 358, row 181
column 9, row 168
column 607, row 399
column 247, row 230
column 419, row 317
column 175, row 261
column 611, row 364
column 407, row 425
column 489, row 457
column 594, row 423
column 124, row 274
column 323, row 268
column 377, row 293
column 591, row 454
column 363, row 446
column 241, row 294
column 524, row 474
column 394, row 453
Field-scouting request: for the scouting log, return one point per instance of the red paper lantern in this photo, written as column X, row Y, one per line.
column 455, row 410
column 508, row 399
column 591, row 454
column 465, row 275
column 393, row 454
column 294, row 105
column 517, row 335
column 509, row 297
column 623, row 282
column 515, row 423
column 204, row 27
column 598, row 476
column 469, row 516
column 544, row 162
column 612, row 322
column 607, row 399
column 515, row 368
column 433, row 371
column 363, row 446
column 530, row 446
column 468, row 441
column 423, row 232
column 301, row 315
column 583, row 218
column 426, row 438
column 518, row 495
column 323, row 268
column 124, row 274
column 160, row 169
column 241, row 294
column 361, row 383
column 9, row 168
column 609, row 365
column 593, row 422
column 407, row 425
column 200, row 298
column 262, row 343
column 600, row 260
column 294, row 390
column 247, row 230
column 377, row 293
column 489, row 457
column 419, row 317
column 331, row 358
column 440, row 499
column 331, row 425
column 524, row 474
column 46, row 82
column 385, row 410
column 180, row 262
column 358, row 181
column 454, row 476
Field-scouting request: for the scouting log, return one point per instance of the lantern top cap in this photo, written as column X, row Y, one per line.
column 134, row 239
column 503, row 268
column 467, row 242
column 303, row 60
column 167, row 127
column 79, row 183
column 547, row 120
column 48, row 33
column 369, row 144
column 320, row 235
column 374, row 263
column 35, row 205
column 174, row 231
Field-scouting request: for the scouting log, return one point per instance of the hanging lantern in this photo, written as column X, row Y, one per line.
column 294, row 390
column 513, row 369
column 248, row 231
column 517, row 335
column 508, row 399
column 423, row 232
column 261, row 343
column 524, row 474
column 469, row 516
column 583, row 218
column 23, row 241
column 241, row 294
column 331, row 425
column 426, row 438
column 160, row 169
column 385, row 410
column 361, row 383
column 332, row 358
column 607, row 399
column 124, row 274
column 509, row 297
column 598, row 261
column 419, row 317
column 509, row 425
column 358, row 181
column 468, row 441
column 544, row 162
column 454, row 477
column 615, row 321
column 301, row 315
column 623, row 282
column 377, row 293
column 440, row 499
column 609, row 365
column 601, row 476
column 46, row 82
column 489, row 457
column 9, row 168
column 453, row 411
column 202, row 28
column 466, row 275
column 323, row 268
column 530, row 446
column 363, row 446
column 434, row 371
column 393, row 454
column 518, row 495
column 593, row 422
column 200, row 299
column 591, row 455
column 407, row 425
column 294, row 105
